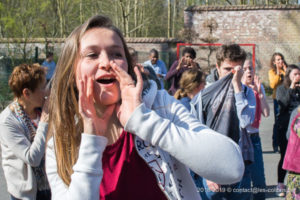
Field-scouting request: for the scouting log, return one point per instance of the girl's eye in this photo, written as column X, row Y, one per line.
column 117, row 55
column 92, row 55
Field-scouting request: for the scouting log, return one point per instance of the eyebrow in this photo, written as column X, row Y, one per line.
column 96, row 47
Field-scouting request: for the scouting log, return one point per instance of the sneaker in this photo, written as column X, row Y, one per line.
column 280, row 190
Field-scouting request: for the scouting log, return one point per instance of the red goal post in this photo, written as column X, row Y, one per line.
column 214, row 44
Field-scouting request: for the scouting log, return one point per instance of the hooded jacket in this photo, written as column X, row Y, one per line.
column 171, row 136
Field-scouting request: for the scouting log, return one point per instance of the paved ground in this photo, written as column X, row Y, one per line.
column 270, row 159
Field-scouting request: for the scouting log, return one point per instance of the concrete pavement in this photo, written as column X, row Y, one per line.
column 270, row 159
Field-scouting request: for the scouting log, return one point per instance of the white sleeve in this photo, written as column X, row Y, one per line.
column 14, row 136
column 206, row 152
column 87, row 176
column 245, row 106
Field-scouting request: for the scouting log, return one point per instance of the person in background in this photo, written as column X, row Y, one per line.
column 291, row 162
column 192, row 81
column 23, row 134
column 179, row 66
column 288, row 97
column 158, row 66
column 241, row 108
column 148, row 71
column 108, row 141
column 50, row 65
column 257, row 173
column 276, row 74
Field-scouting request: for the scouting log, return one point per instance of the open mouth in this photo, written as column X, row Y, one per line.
column 106, row 80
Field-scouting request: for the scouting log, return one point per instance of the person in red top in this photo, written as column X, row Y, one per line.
column 113, row 139
column 257, row 173
column 179, row 66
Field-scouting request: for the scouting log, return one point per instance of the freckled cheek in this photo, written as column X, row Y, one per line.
column 85, row 69
column 124, row 66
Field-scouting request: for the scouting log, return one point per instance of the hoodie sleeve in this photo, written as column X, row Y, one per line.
column 245, row 105
column 173, row 129
column 87, row 176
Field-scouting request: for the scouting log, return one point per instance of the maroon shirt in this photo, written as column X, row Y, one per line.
column 126, row 175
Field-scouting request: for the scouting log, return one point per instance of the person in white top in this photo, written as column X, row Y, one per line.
column 96, row 95
column 23, row 134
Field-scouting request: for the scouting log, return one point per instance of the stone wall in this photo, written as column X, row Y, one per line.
column 270, row 28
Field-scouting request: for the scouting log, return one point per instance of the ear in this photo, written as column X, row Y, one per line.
column 26, row 92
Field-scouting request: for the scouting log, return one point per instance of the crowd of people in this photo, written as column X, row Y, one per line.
column 103, row 126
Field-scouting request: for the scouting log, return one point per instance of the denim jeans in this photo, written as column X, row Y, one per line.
column 198, row 180
column 257, row 170
column 237, row 191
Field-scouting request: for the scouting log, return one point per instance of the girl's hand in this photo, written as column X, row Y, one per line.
column 193, row 64
column 91, row 122
column 214, row 187
column 237, row 78
column 141, row 67
column 131, row 94
column 256, row 85
column 180, row 64
column 45, row 111
column 294, row 83
column 237, row 74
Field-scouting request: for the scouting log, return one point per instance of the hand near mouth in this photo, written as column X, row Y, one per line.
column 256, row 85
column 91, row 122
column 131, row 94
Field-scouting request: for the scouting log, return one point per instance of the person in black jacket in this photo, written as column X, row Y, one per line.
column 288, row 97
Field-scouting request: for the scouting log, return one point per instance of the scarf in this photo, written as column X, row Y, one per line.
column 39, row 172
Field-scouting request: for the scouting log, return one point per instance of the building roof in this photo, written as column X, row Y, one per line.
column 242, row 7
column 61, row 40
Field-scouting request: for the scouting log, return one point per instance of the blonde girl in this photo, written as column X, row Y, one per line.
column 192, row 81
column 110, row 142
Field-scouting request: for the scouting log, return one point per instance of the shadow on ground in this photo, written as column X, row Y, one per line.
column 269, row 152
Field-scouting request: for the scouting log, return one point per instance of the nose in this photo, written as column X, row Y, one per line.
column 104, row 61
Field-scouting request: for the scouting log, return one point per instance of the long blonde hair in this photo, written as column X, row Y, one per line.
column 65, row 122
column 189, row 81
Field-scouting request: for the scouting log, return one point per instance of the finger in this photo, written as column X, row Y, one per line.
column 252, row 86
column 78, row 73
column 237, row 68
column 83, row 94
column 139, row 84
column 212, row 187
column 80, row 88
column 122, row 75
column 90, row 88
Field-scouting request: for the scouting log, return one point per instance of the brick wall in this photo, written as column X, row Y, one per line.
column 271, row 28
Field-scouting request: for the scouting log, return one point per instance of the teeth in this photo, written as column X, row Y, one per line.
column 106, row 78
